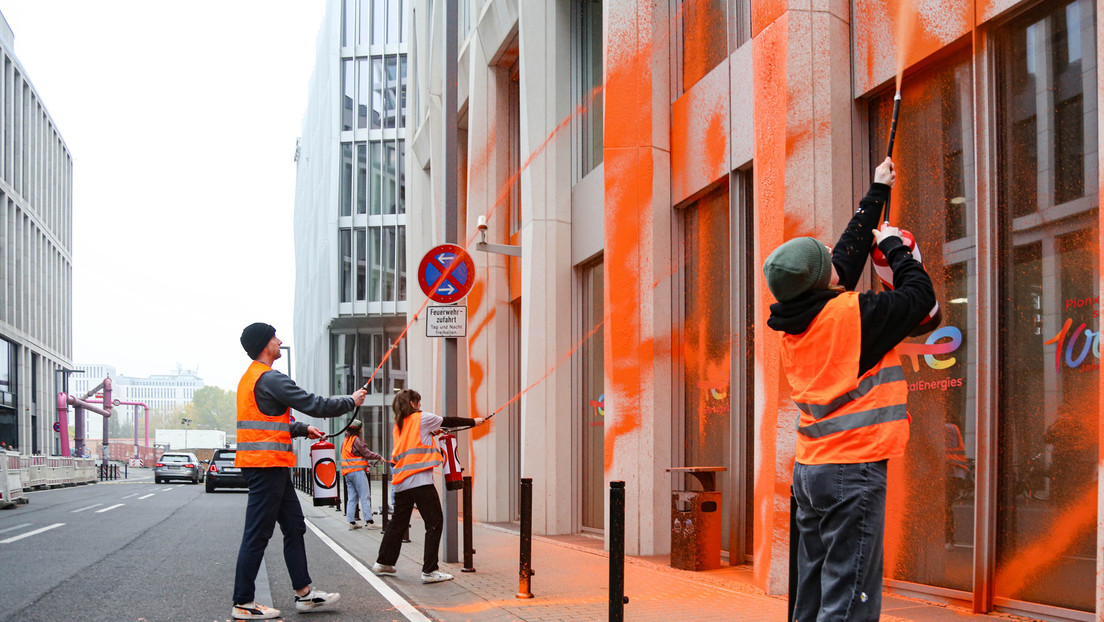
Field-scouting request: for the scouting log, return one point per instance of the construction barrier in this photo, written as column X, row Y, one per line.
column 21, row 473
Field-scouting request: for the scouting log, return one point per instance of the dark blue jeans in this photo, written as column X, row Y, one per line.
column 429, row 506
column 272, row 500
column 841, row 522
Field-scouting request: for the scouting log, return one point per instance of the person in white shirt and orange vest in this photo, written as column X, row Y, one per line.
column 413, row 459
column 839, row 355
column 355, row 457
column 264, row 454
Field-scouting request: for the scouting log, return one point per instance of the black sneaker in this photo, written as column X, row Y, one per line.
column 315, row 600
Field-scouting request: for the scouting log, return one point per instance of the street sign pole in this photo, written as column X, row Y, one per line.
column 450, row 359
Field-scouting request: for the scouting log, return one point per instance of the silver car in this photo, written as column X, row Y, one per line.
column 178, row 465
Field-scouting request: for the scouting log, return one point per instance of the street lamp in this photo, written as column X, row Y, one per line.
column 186, row 422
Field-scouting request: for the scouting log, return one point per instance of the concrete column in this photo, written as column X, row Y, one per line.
column 638, row 262
column 547, row 105
column 803, row 186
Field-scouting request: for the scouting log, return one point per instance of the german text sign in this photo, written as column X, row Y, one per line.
column 447, row 321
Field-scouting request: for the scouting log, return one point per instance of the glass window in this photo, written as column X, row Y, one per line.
column 929, row 536
column 394, row 22
column 401, row 271
column 400, row 151
column 593, row 408
column 402, row 91
column 1050, row 367
column 363, row 22
column 346, row 179
column 348, row 21
column 590, row 84
column 390, row 178
column 379, row 22
column 362, row 178
column 346, row 249
column 343, row 349
column 374, row 274
column 348, row 89
column 377, row 92
column 361, row 276
column 388, row 263
column 6, row 373
column 363, row 88
column 391, row 94
column 377, row 177
column 703, row 33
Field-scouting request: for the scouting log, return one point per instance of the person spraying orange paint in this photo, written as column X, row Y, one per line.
column 839, row 353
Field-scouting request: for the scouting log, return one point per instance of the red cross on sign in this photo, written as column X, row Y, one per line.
column 446, row 273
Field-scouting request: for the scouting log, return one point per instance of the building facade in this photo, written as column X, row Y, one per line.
column 36, row 260
column 647, row 155
column 159, row 392
column 350, row 211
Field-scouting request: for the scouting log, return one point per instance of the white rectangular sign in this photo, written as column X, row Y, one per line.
column 447, row 321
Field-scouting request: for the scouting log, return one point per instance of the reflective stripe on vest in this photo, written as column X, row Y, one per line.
column 410, row 454
column 349, row 461
column 263, row 441
column 844, row 418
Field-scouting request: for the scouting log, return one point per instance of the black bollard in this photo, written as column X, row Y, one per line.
column 385, row 510
column 617, row 597
column 469, row 549
column 525, row 571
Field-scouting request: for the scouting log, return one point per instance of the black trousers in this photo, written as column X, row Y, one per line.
column 429, row 506
column 272, row 500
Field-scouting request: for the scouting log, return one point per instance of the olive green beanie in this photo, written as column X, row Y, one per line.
column 796, row 267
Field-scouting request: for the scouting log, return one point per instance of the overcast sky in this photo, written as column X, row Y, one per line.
column 181, row 118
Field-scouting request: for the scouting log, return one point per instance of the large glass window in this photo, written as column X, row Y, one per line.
column 593, row 408
column 348, row 94
column 363, row 88
column 703, row 38
column 589, row 68
column 345, row 241
column 706, row 336
column 346, row 190
column 929, row 525
column 362, row 178
column 1049, row 409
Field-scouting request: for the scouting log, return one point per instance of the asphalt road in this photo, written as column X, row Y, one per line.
column 136, row 550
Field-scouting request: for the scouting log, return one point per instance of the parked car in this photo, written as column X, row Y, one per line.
column 222, row 473
column 178, row 465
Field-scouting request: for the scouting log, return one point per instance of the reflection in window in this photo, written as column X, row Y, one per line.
column 377, row 176
column 348, row 90
column 362, row 93
column 346, row 190
column 402, row 91
column 377, row 92
column 400, row 150
column 388, row 274
column 362, row 178
column 391, row 92
column 345, row 244
column 390, row 179
column 703, row 33
column 400, row 295
column 362, row 273
column 363, row 22
column 374, row 277
column 929, row 528
column 1049, row 370
column 379, row 22
column 348, row 21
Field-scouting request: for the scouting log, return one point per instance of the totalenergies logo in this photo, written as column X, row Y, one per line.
column 1074, row 347
column 933, row 347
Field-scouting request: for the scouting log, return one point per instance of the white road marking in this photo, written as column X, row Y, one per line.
column 109, row 508
column 14, row 528
column 403, row 606
column 145, row 496
column 131, row 495
column 30, row 533
column 94, row 505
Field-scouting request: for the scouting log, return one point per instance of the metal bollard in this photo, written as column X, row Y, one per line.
column 617, row 598
column 337, row 502
column 385, row 510
column 525, row 571
column 469, row 549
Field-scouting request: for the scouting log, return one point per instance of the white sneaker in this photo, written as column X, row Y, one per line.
column 383, row 569
column 436, row 577
column 315, row 600
column 353, row 526
column 253, row 611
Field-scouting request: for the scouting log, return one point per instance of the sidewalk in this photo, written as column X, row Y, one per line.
column 571, row 582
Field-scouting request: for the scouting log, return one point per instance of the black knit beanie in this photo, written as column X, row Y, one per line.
column 796, row 267
column 255, row 337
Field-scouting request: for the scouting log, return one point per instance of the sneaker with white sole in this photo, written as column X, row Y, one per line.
column 435, row 577
column 383, row 569
column 353, row 526
column 315, row 600
column 253, row 611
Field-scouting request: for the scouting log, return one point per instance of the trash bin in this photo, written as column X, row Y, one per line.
column 696, row 522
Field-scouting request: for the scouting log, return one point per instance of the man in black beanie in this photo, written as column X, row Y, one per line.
column 264, row 454
column 845, row 376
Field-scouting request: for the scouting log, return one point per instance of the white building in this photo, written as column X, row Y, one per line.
column 36, row 260
column 350, row 209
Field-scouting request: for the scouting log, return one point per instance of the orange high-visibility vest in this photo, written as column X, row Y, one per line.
column 349, row 461
column 845, row 419
column 410, row 454
column 263, row 441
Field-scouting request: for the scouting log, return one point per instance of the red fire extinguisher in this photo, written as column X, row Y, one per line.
column 453, row 479
column 323, row 461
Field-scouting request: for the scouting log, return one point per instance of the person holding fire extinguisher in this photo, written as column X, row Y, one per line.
column 355, row 457
column 413, row 458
